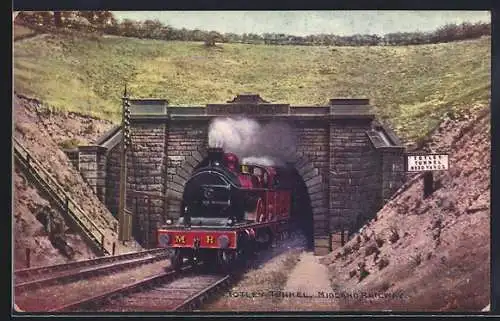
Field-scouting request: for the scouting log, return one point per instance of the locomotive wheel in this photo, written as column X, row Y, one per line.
column 225, row 259
column 268, row 239
column 176, row 260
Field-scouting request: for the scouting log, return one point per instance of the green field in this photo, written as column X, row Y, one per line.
column 412, row 87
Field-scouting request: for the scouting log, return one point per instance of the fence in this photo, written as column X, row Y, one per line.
column 41, row 177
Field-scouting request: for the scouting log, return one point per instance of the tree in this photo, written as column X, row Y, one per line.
column 46, row 17
column 98, row 19
column 198, row 35
column 57, row 19
column 128, row 28
column 152, row 29
column 212, row 38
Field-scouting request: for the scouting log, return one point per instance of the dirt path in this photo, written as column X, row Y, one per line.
column 306, row 281
column 309, row 275
column 31, row 37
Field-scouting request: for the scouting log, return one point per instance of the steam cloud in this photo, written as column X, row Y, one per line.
column 267, row 145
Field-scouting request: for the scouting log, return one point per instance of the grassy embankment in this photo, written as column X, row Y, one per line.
column 413, row 86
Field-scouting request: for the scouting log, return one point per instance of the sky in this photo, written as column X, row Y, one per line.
column 301, row 23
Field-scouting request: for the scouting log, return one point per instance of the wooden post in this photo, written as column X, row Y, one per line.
column 148, row 222
column 28, row 257
column 114, row 248
column 428, row 184
column 135, row 219
column 67, row 205
column 49, row 223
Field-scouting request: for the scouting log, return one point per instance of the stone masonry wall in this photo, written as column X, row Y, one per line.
column 73, row 156
column 113, row 179
column 312, row 145
column 393, row 174
column 187, row 142
column 146, row 173
column 370, row 193
column 351, row 166
column 92, row 166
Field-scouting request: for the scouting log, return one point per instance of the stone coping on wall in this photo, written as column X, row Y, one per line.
column 387, row 131
column 305, row 117
column 383, row 138
column 107, row 135
column 253, row 110
column 251, row 105
column 91, row 148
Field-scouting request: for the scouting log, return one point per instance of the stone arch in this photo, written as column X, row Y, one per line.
column 175, row 187
column 311, row 175
column 317, row 192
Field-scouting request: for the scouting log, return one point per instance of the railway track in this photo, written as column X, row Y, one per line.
column 169, row 291
column 37, row 277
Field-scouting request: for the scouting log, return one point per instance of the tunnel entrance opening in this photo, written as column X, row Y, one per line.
column 301, row 214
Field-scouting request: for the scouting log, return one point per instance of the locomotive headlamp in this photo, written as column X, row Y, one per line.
column 163, row 240
column 223, row 241
column 231, row 221
column 169, row 221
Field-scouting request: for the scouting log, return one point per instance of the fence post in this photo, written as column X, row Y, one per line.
column 28, row 257
column 67, row 205
column 148, row 220
column 48, row 228
column 114, row 246
column 428, row 184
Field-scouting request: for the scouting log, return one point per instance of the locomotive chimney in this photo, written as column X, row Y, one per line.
column 216, row 156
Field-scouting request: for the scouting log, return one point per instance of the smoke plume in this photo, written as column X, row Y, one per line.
column 267, row 145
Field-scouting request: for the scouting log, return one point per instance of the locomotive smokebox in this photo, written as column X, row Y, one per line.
column 216, row 156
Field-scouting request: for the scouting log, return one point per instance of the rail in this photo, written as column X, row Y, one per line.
column 76, row 264
column 58, row 195
column 87, row 269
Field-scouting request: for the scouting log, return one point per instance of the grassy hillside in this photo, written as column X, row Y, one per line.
column 411, row 86
column 21, row 32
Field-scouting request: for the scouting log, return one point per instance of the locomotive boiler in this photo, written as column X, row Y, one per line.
column 228, row 211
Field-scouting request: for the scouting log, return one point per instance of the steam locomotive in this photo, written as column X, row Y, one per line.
column 228, row 211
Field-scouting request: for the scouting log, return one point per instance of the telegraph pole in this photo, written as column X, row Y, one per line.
column 125, row 143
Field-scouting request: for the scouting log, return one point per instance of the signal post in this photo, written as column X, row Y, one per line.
column 124, row 218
